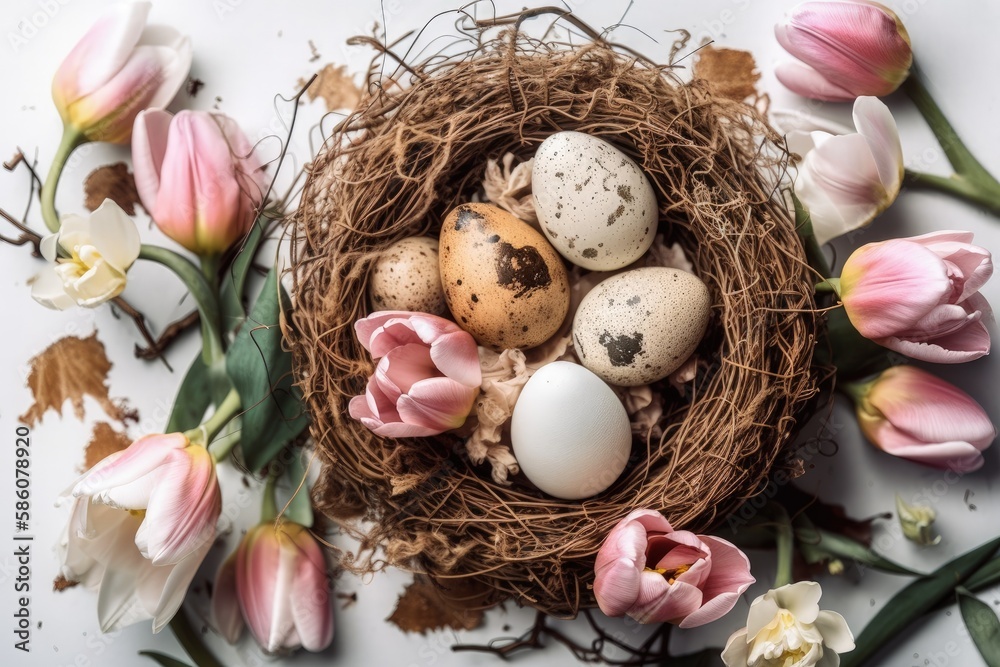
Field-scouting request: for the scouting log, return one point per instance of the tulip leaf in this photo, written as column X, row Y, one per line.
column 235, row 277
column 162, row 659
column 299, row 507
column 986, row 576
column 817, row 545
column 983, row 625
column 854, row 355
column 922, row 595
column 261, row 371
column 201, row 386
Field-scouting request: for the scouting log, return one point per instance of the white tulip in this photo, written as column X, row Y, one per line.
column 786, row 627
column 98, row 249
column 845, row 181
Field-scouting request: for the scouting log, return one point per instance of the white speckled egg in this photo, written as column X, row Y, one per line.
column 641, row 325
column 570, row 433
column 594, row 203
column 406, row 277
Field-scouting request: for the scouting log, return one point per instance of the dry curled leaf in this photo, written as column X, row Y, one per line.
column 335, row 86
column 114, row 182
column 61, row 583
column 104, row 441
column 70, row 369
column 423, row 607
column 732, row 73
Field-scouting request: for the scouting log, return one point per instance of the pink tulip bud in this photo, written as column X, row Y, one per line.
column 198, row 177
column 120, row 67
column 647, row 570
column 844, row 49
column 427, row 377
column 911, row 414
column 143, row 521
column 277, row 583
column 920, row 296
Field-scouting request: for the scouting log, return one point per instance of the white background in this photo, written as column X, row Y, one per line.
column 249, row 51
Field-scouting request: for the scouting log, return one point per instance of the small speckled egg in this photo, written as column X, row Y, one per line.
column 570, row 433
column 593, row 202
column 502, row 280
column 641, row 325
column 406, row 277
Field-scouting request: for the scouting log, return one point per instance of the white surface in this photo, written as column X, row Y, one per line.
column 249, row 51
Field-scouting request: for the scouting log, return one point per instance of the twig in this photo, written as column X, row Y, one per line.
column 173, row 330
column 140, row 323
column 27, row 234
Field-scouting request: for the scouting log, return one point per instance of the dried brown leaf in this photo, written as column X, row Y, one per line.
column 335, row 86
column 732, row 73
column 104, row 441
column 423, row 606
column 70, row 369
column 61, row 583
column 114, row 182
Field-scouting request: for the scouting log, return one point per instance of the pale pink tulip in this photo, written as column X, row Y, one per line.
column 198, row 176
column 120, row 67
column 277, row 583
column 143, row 520
column 844, row 49
column 647, row 570
column 914, row 415
column 845, row 181
column 920, row 296
column 427, row 377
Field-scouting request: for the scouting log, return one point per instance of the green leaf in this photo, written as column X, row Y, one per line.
column 200, row 387
column 818, row 545
column 261, row 371
column 984, row 577
column 162, row 659
column 854, row 355
column 914, row 601
column 983, row 625
column 234, row 279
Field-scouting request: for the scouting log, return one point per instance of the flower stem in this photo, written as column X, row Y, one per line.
column 71, row 139
column 205, row 434
column 829, row 286
column 268, row 506
column 204, row 296
column 784, row 542
column 958, row 186
column 191, row 642
column 855, row 390
column 814, row 253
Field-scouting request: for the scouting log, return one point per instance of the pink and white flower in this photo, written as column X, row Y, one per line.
column 647, row 570
column 426, row 379
column 142, row 521
column 920, row 296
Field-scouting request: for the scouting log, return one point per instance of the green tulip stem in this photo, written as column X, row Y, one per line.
column 71, row 139
column 784, row 542
column 829, row 286
column 204, row 296
column 206, row 433
column 191, row 641
column 957, row 186
column 814, row 253
column 268, row 505
column 855, row 390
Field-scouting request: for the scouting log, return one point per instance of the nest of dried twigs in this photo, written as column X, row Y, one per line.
column 415, row 150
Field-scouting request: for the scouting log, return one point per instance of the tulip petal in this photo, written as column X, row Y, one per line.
column 457, row 356
column 836, row 633
column 149, row 145
column 47, row 289
column 175, row 69
column 225, row 605
column 875, row 123
column 967, row 344
column 626, row 540
column 659, row 601
column 439, row 403
column 403, row 366
column 942, row 321
column 803, row 80
column 730, row 569
column 367, row 327
column 678, row 556
column 711, row 610
column 114, row 234
column 947, row 455
column 310, row 598
column 137, row 460
column 258, row 564
column 652, row 521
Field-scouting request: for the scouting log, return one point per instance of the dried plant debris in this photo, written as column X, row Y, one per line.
column 104, row 441
column 423, row 606
column 194, row 86
column 114, row 182
column 335, row 86
column 70, row 369
column 61, row 583
column 731, row 73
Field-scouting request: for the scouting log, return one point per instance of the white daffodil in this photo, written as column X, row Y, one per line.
column 785, row 628
column 98, row 250
column 846, row 180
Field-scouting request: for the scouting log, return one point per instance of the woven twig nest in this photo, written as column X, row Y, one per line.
column 399, row 164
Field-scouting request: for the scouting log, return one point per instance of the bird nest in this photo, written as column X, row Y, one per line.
column 418, row 147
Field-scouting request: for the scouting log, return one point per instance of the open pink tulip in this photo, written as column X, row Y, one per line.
column 427, row 377
column 120, row 67
column 914, row 415
column 845, row 181
column 844, row 49
column 277, row 583
column 655, row 574
column 198, row 177
column 143, row 520
column 920, row 296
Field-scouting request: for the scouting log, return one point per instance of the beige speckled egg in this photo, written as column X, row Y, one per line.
column 502, row 280
column 406, row 277
column 641, row 325
column 593, row 202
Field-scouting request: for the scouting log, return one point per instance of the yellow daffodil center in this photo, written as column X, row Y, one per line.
column 670, row 574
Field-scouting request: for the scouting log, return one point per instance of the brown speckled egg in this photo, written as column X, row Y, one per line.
column 502, row 280
column 406, row 277
column 641, row 325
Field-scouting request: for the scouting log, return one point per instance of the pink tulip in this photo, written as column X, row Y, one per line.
column 920, row 296
column 911, row 414
column 277, row 583
column 656, row 574
column 844, row 50
column 120, row 67
column 427, row 377
column 143, row 520
column 198, row 177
